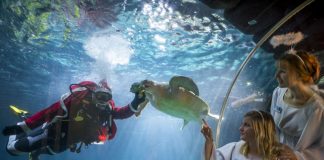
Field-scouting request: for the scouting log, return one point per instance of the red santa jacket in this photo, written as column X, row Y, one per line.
column 65, row 108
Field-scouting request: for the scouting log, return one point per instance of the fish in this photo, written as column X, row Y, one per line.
column 255, row 97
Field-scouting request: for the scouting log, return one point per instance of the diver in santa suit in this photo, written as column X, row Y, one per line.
column 83, row 116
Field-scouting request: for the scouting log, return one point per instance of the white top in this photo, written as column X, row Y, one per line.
column 300, row 128
column 231, row 151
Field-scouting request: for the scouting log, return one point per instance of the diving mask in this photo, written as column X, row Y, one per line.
column 101, row 96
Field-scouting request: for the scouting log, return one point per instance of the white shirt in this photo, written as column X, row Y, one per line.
column 231, row 151
column 300, row 128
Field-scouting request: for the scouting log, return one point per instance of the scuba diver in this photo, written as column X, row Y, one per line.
column 83, row 116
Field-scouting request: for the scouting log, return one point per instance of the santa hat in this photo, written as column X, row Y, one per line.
column 104, row 84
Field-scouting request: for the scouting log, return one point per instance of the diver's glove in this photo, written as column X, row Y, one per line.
column 12, row 130
column 138, row 99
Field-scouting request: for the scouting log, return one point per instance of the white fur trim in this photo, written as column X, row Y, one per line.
column 63, row 97
column 11, row 146
column 79, row 89
column 24, row 126
column 132, row 108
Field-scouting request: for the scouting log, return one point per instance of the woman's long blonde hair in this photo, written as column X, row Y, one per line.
column 265, row 134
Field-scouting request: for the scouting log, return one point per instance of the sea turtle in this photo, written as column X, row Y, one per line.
column 180, row 98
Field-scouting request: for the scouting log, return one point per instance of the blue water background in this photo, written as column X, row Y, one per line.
column 47, row 45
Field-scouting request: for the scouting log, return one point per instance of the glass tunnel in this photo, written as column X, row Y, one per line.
column 227, row 48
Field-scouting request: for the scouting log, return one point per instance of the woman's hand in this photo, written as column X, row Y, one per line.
column 206, row 131
column 209, row 145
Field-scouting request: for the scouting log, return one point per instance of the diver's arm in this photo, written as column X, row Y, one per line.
column 130, row 109
column 141, row 107
column 122, row 112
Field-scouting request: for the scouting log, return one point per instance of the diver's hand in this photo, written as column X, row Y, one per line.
column 11, row 130
column 138, row 99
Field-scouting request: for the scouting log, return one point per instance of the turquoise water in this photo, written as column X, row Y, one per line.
column 47, row 45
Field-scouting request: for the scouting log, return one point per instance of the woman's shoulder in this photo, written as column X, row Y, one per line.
column 318, row 97
column 279, row 91
column 240, row 143
column 226, row 147
column 318, row 104
column 230, row 146
column 229, row 149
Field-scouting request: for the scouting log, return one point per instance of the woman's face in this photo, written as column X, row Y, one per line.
column 285, row 76
column 246, row 130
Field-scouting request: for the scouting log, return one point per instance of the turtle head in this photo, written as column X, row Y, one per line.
column 147, row 83
column 141, row 86
column 136, row 87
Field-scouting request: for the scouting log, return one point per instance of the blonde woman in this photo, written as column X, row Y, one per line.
column 297, row 105
column 258, row 141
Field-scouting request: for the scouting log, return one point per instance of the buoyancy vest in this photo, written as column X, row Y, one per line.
column 83, row 121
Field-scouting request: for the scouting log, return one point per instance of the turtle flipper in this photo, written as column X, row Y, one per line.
column 185, row 122
column 184, row 82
